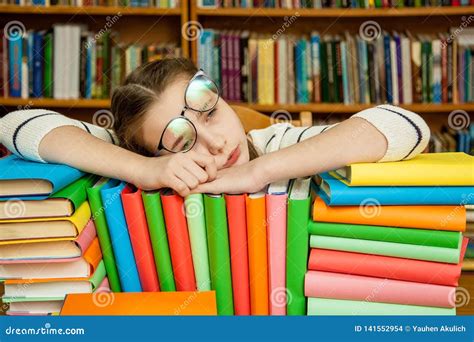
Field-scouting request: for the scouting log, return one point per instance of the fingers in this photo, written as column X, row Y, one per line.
column 196, row 170
column 180, row 187
column 207, row 162
column 187, row 178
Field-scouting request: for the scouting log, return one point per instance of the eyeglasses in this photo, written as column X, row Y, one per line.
column 180, row 134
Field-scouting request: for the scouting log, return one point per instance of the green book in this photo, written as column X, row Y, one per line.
column 414, row 236
column 194, row 207
column 76, row 192
column 401, row 250
column 48, row 64
column 297, row 248
column 324, row 72
column 219, row 252
column 98, row 215
column 324, row 306
column 159, row 239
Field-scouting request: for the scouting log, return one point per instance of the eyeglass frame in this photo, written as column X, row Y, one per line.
column 161, row 147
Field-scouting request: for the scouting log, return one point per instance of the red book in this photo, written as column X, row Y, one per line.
column 455, row 3
column 420, row 271
column 140, row 238
column 239, row 260
column 178, row 239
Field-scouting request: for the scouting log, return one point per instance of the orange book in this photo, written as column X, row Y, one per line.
column 257, row 248
column 140, row 304
column 439, row 217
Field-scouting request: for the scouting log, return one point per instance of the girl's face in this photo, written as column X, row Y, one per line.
column 219, row 132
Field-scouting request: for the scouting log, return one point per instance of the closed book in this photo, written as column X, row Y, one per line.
column 372, row 265
column 297, row 242
column 276, row 209
column 324, row 306
column 450, row 168
column 219, row 252
column 440, row 217
column 139, row 237
column 98, row 215
column 239, row 259
column 257, row 248
column 194, row 207
column 61, row 203
column 159, row 239
column 15, row 57
column 429, row 253
column 178, row 239
column 45, row 228
column 120, row 238
column 422, row 237
column 142, row 304
column 354, row 287
column 335, row 192
column 24, row 179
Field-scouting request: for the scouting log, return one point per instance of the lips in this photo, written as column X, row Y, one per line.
column 233, row 157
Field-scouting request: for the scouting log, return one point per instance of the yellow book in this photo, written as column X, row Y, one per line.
column 45, row 228
column 426, row 169
column 261, row 71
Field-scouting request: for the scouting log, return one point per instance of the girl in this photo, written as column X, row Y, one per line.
column 171, row 129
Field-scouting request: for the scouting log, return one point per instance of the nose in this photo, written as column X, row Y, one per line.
column 215, row 141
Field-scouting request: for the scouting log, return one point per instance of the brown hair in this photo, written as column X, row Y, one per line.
column 141, row 89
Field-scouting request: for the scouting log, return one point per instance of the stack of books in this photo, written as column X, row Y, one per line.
column 386, row 238
column 468, row 264
column 373, row 66
column 48, row 243
column 69, row 61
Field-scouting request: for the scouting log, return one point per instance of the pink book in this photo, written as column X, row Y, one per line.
column 276, row 237
column 353, row 287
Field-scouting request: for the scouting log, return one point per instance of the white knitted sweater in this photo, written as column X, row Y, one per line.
column 407, row 133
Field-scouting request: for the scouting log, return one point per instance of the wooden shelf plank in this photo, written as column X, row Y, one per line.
column 336, row 12
column 295, row 108
column 90, row 10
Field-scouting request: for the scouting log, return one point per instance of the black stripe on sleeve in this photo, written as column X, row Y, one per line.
column 17, row 130
column 111, row 137
column 85, row 126
column 302, row 132
column 415, row 126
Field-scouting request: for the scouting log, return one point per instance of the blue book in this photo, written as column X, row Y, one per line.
column 388, row 67
column 15, row 56
column 121, row 245
column 37, row 58
column 88, row 87
column 24, row 179
column 398, row 48
column 29, row 41
column 335, row 193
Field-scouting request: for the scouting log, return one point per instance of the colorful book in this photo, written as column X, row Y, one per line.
column 122, row 247
column 324, row 306
column 422, row 237
column 139, row 237
column 297, row 241
column 194, row 208
column 142, row 304
column 401, row 250
column 23, row 179
column 438, row 217
column 159, row 239
column 372, row 265
column 98, row 215
column 239, row 259
column 359, row 288
column 45, row 228
column 276, row 208
column 257, row 249
column 219, row 252
column 335, row 192
column 435, row 169
column 178, row 239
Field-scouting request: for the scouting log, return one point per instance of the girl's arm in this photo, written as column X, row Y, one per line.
column 384, row 133
column 47, row 136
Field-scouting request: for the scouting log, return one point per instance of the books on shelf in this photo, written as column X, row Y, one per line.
column 68, row 61
column 388, row 67
column 94, row 3
column 318, row 4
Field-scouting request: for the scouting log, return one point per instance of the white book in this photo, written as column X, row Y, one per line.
column 58, row 54
column 393, row 59
column 35, row 308
column 55, row 290
column 75, row 61
column 291, row 71
column 406, row 76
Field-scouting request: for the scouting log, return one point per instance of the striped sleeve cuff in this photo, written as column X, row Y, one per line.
column 406, row 132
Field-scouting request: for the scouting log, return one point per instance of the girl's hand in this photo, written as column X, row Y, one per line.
column 181, row 172
column 245, row 178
